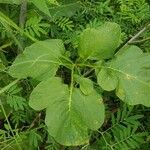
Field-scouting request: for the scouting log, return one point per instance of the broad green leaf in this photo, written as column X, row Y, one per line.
column 69, row 115
column 40, row 60
column 132, row 70
column 42, row 6
column 86, row 85
column 51, row 89
column 99, row 43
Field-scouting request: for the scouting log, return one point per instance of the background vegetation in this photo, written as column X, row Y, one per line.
column 125, row 128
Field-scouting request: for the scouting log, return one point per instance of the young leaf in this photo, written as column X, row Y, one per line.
column 86, row 85
column 69, row 115
column 99, row 43
column 42, row 6
column 40, row 60
column 107, row 79
column 132, row 68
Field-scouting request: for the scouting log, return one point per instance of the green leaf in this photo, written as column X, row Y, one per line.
column 132, row 68
column 11, row 1
column 86, row 85
column 47, row 90
column 65, row 10
column 40, row 60
column 16, row 102
column 99, row 43
column 42, row 6
column 69, row 115
column 107, row 79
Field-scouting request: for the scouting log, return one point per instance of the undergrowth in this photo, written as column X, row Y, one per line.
column 23, row 23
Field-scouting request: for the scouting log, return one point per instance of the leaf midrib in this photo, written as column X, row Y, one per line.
column 71, row 88
column 33, row 61
column 126, row 74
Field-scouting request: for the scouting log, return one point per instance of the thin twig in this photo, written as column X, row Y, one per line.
column 10, row 128
column 8, row 86
column 133, row 38
column 33, row 122
column 5, row 45
column 23, row 12
column 140, row 41
column 138, row 34
column 22, row 20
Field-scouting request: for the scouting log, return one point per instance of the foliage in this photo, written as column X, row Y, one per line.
column 123, row 132
column 78, row 69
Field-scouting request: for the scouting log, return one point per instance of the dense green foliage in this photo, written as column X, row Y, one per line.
column 74, row 74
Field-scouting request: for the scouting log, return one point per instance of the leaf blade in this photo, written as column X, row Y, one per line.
column 68, row 124
column 38, row 59
column 132, row 67
column 99, row 43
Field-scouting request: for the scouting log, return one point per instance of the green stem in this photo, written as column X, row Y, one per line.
column 107, row 144
column 140, row 41
column 88, row 72
column 7, row 20
column 4, row 112
column 86, row 65
column 5, row 45
column 71, row 87
column 8, row 86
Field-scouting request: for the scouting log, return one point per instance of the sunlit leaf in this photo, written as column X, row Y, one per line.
column 99, row 43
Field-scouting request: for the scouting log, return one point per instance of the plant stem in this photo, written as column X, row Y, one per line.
column 5, row 45
column 8, row 21
column 4, row 112
column 33, row 122
column 88, row 72
column 8, row 86
column 71, row 87
column 139, row 41
column 107, row 144
column 23, row 11
column 22, row 20
column 138, row 34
